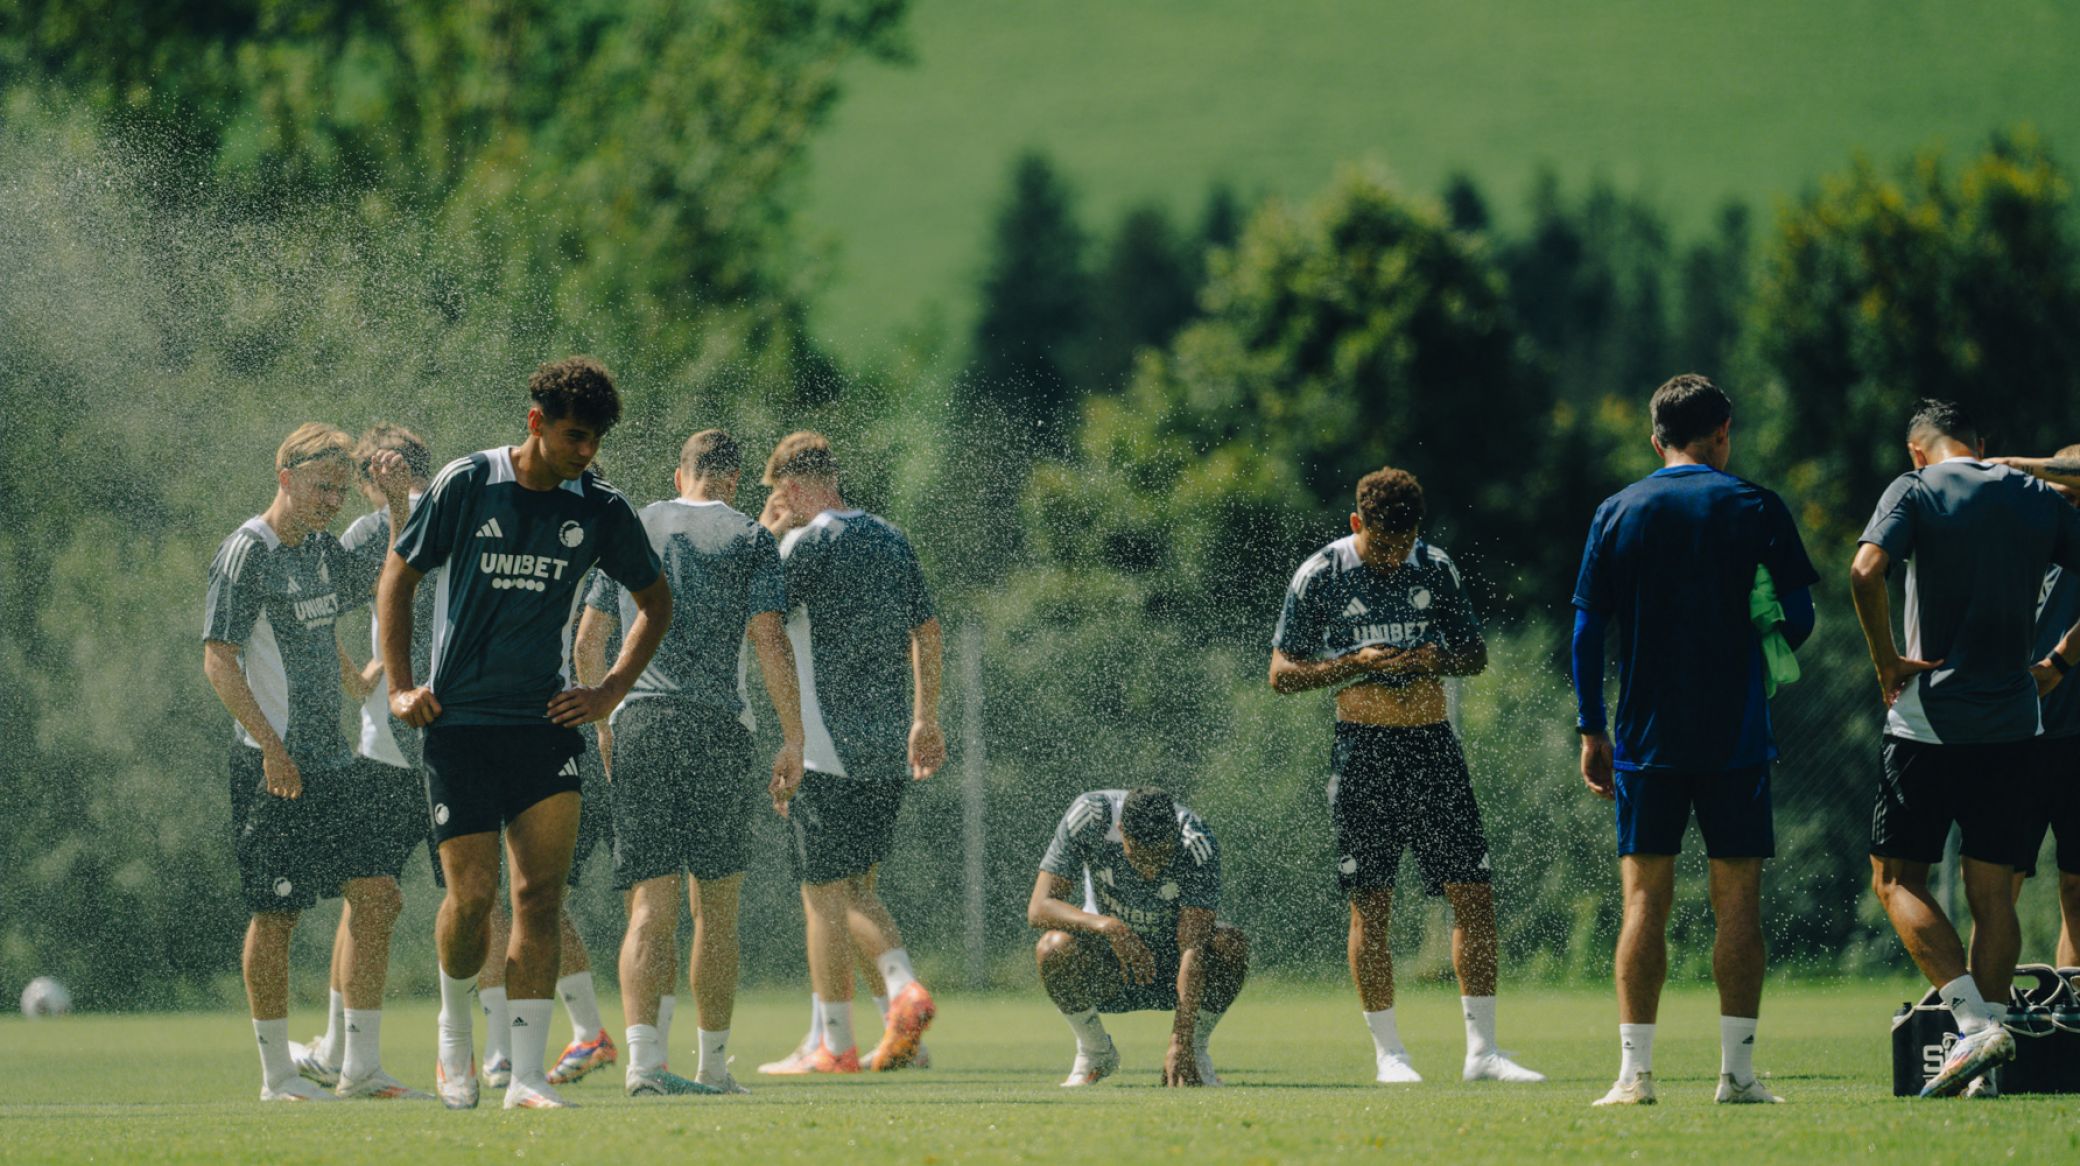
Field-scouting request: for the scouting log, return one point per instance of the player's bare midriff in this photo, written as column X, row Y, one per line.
column 1419, row 702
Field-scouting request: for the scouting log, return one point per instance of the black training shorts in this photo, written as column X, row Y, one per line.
column 683, row 792
column 595, row 813
column 842, row 826
column 481, row 777
column 2052, row 803
column 386, row 818
column 1923, row 788
column 1396, row 789
column 290, row 850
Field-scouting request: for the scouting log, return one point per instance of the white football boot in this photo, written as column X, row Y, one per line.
column 380, row 1086
column 1497, row 1066
column 295, row 1089
column 1089, row 1070
column 1395, row 1069
column 311, row 1065
column 460, row 1093
column 535, row 1092
column 1732, row 1092
column 1638, row 1091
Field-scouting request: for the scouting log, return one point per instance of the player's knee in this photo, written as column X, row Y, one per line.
column 374, row 902
column 539, row 903
column 1054, row 948
column 1230, row 946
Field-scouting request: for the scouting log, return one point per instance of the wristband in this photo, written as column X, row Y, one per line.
column 2059, row 662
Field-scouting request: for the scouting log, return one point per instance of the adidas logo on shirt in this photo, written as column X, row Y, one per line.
column 1356, row 609
column 490, row 530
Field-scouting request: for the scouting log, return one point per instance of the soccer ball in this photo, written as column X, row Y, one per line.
column 45, row 997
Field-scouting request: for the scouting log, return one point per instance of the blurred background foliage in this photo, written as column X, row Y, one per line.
column 222, row 220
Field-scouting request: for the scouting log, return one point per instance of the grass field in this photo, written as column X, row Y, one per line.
column 181, row 1088
column 1688, row 101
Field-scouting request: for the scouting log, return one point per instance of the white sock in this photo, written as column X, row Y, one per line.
column 645, row 1050
column 1636, row 1049
column 1386, row 1038
column 1737, row 1048
column 881, row 1009
column 498, row 1025
column 815, row 1037
column 583, row 1004
column 895, row 968
column 1091, row 1037
column 273, row 1038
column 665, row 1006
column 331, row 1046
column 364, row 1053
column 837, row 1026
column 714, row 1063
column 456, row 1043
column 1480, row 1024
column 530, row 1037
column 1202, row 1029
column 1966, row 1005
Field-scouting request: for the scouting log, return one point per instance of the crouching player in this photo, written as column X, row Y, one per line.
column 1145, row 938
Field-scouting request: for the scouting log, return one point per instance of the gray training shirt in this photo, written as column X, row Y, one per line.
column 278, row 605
column 505, row 609
column 1337, row 605
column 856, row 593
column 723, row 568
column 1975, row 539
column 1087, row 846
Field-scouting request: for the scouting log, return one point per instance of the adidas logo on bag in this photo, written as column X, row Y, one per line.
column 490, row 530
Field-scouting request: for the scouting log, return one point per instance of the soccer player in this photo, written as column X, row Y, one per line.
column 1146, row 938
column 390, row 809
column 681, row 753
column 1383, row 615
column 272, row 654
column 517, row 527
column 1962, row 710
column 860, row 610
column 2056, row 804
column 1672, row 560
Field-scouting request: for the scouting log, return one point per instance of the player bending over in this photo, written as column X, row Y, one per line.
column 681, row 759
column 517, row 527
column 271, row 652
column 1146, row 938
column 1962, row 713
column 1672, row 560
column 1382, row 614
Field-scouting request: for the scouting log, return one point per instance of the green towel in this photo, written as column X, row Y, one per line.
column 1781, row 666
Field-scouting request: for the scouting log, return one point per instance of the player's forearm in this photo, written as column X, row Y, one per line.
column 1191, row 984
column 228, row 680
column 1051, row 914
column 1289, row 676
column 776, row 664
column 1586, row 666
column 926, row 662
column 1874, row 615
column 394, row 593
column 2068, row 649
column 589, row 653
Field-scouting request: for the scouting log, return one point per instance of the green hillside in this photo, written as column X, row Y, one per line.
column 1687, row 101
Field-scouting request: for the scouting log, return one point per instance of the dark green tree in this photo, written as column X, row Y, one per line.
column 1031, row 331
column 1142, row 293
column 1880, row 288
